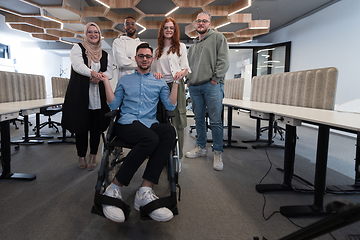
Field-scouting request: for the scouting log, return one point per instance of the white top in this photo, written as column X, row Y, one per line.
column 169, row 64
column 124, row 51
column 164, row 66
column 345, row 120
column 77, row 63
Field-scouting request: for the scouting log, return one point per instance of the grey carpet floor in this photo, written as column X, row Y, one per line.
column 214, row 205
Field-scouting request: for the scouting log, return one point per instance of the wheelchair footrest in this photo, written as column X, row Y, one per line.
column 169, row 202
column 106, row 200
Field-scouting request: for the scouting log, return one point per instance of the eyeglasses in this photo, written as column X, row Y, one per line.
column 132, row 24
column 141, row 56
column 171, row 28
column 90, row 32
column 202, row 21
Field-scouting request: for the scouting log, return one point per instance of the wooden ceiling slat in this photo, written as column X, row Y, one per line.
column 27, row 28
column 58, row 33
column 45, row 37
column 31, row 24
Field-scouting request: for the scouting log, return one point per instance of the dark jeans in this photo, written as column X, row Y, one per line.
column 82, row 138
column 155, row 142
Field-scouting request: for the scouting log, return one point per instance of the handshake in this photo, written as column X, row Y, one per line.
column 96, row 77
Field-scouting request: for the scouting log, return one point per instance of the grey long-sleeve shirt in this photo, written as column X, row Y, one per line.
column 208, row 59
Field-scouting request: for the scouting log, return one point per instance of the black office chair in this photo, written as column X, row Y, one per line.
column 277, row 130
column 49, row 112
column 20, row 120
column 111, row 160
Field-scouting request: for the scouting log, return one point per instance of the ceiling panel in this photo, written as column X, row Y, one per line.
column 72, row 16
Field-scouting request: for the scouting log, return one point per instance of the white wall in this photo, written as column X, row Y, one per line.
column 241, row 62
column 328, row 38
column 28, row 60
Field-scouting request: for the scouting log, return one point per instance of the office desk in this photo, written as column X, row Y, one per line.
column 31, row 107
column 292, row 117
column 8, row 111
column 6, row 114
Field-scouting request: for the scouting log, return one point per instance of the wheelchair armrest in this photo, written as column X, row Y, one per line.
column 112, row 113
column 170, row 114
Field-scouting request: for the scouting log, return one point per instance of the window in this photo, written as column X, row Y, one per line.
column 4, row 51
column 271, row 59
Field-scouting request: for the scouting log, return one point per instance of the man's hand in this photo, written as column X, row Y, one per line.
column 97, row 77
column 158, row 75
column 214, row 82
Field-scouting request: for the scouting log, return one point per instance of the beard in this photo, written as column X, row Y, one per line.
column 202, row 32
column 144, row 68
column 130, row 34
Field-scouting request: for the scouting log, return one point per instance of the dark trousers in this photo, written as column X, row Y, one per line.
column 155, row 142
column 82, row 139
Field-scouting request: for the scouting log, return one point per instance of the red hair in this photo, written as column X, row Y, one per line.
column 175, row 41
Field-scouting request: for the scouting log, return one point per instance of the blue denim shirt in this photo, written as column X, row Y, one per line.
column 138, row 96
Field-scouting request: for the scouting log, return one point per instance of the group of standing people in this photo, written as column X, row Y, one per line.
column 89, row 97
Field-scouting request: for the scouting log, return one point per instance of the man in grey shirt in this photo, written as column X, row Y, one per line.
column 209, row 61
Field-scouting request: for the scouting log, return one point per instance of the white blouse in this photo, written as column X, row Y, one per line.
column 169, row 64
column 77, row 63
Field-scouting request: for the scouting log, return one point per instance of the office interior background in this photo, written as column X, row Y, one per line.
column 326, row 38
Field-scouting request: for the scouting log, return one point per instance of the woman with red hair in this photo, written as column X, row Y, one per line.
column 170, row 62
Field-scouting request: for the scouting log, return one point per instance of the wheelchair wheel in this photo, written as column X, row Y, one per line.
column 116, row 158
column 110, row 163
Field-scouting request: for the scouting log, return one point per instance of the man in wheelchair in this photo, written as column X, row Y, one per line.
column 138, row 95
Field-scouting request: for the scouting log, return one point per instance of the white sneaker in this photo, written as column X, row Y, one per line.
column 113, row 213
column 196, row 152
column 218, row 162
column 161, row 215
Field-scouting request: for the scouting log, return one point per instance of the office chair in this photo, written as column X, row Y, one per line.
column 49, row 111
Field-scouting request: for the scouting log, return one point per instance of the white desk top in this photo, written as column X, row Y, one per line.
column 10, row 110
column 345, row 120
column 32, row 104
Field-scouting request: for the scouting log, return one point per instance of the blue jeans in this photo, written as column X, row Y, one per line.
column 208, row 96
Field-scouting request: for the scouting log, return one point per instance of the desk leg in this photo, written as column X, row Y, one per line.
column 317, row 208
column 26, row 132
column 230, row 111
column 357, row 163
column 356, row 186
column 37, row 133
column 289, row 159
column 6, row 156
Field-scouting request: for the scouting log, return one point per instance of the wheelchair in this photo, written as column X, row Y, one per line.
column 111, row 160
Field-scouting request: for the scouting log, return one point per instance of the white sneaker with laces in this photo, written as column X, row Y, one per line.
column 145, row 195
column 196, row 152
column 113, row 213
column 218, row 162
